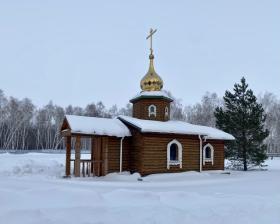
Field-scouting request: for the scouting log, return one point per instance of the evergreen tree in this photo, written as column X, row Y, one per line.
column 244, row 118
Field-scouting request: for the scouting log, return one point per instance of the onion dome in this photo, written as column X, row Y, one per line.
column 151, row 81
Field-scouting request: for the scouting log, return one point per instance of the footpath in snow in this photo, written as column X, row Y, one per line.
column 32, row 190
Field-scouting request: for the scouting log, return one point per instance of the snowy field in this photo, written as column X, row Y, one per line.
column 33, row 192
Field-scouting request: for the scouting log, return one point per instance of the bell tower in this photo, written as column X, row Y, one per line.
column 152, row 103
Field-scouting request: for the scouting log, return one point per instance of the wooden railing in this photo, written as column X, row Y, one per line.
column 88, row 167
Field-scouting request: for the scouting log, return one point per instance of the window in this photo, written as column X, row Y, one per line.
column 174, row 154
column 152, row 110
column 208, row 154
column 166, row 112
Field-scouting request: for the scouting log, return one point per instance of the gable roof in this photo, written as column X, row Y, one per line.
column 96, row 126
column 175, row 127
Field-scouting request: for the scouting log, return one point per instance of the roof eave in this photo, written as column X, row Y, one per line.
column 129, row 123
column 133, row 100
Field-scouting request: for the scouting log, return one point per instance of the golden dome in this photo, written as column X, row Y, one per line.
column 151, row 81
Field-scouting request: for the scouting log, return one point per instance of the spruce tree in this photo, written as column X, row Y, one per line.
column 244, row 118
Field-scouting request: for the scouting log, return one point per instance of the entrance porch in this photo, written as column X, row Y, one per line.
column 101, row 135
column 96, row 165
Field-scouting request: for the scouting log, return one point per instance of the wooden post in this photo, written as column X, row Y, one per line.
column 92, row 153
column 68, row 156
column 77, row 156
column 98, row 157
column 104, row 156
column 83, row 168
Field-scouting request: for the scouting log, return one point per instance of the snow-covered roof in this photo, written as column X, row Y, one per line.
column 152, row 94
column 176, row 127
column 97, row 126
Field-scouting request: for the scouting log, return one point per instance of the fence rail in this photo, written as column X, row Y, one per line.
column 88, row 167
column 273, row 151
column 273, row 154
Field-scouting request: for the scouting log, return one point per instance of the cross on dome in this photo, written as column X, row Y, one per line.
column 151, row 81
column 152, row 32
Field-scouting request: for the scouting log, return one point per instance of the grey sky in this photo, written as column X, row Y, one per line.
column 77, row 52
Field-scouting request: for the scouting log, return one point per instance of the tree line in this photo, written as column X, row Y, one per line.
column 25, row 126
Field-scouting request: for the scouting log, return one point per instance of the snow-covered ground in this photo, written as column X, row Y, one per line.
column 32, row 191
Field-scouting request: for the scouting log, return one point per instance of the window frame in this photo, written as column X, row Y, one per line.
column 166, row 111
column 154, row 113
column 180, row 149
column 211, row 159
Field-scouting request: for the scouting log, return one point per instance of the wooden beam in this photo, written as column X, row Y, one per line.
column 65, row 133
column 68, row 156
column 104, row 156
column 96, row 155
column 64, row 125
column 93, row 140
column 77, row 156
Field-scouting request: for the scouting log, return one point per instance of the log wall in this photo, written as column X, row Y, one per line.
column 148, row 153
column 141, row 111
column 114, row 154
column 155, row 153
column 136, row 151
column 219, row 156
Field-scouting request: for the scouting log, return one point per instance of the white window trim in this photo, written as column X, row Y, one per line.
column 180, row 149
column 212, row 154
column 166, row 111
column 152, row 112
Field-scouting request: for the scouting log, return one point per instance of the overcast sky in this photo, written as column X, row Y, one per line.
column 77, row 52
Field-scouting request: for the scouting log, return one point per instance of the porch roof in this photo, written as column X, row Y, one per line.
column 94, row 126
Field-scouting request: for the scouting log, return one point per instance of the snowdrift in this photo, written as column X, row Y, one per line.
column 44, row 164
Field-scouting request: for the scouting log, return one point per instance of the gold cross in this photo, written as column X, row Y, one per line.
column 152, row 32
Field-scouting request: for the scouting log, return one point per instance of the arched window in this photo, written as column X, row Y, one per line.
column 208, row 153
column 152, row 110
column 174, row 154
column 166, row 112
